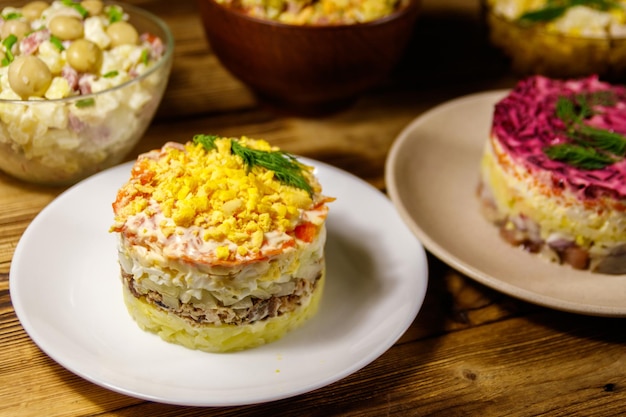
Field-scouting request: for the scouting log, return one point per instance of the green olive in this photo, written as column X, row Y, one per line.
column 93, row 7
column 15, row 27
column 66, row 28
column 122, row 33
column 84, row 56
column 29, row 76
column 33, row 10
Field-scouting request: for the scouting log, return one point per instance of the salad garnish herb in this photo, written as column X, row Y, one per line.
column 556, row 8
column 583, row 157
column 87, row 102
column 111, row 74
column 12, row 15
column 8, row 43
column 589, row 147
column 285, row 166
column 145, row 57
column 76, row 6
column 57, row 43
column 114, row 13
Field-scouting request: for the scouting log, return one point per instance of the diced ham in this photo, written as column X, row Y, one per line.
column 30, row 43
column 157, row 49
column 75, row 124
column 84, row 83
column 71, row 76
column 575, row 256
column 512, row 235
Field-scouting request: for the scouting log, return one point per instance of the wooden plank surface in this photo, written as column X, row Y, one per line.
column 471, row 351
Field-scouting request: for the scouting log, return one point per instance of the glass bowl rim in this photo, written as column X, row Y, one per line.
column 165, row 59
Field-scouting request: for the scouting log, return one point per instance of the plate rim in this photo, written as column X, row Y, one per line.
column 386, row 342
column 441, row 252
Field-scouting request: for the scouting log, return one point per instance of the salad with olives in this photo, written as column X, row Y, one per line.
column 79, row 83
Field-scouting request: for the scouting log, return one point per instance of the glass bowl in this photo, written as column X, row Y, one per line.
column 61, row 141
column 533, row 49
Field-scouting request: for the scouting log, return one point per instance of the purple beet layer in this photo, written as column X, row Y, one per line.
column 525, row 122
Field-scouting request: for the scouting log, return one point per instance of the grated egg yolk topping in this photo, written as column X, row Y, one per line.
column 215, row 194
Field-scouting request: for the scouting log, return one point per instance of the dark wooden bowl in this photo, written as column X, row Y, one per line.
column 310, row 69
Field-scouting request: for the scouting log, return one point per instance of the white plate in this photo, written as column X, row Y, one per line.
column 432, row 171
column 66, row 291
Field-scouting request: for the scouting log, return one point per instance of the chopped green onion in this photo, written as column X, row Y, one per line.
column 8, row 43
column 114, row 13
column 88, row 102
column 57, row 43
column 76, row 6
column 145, row 56
column 111, row 74
column 12, row 16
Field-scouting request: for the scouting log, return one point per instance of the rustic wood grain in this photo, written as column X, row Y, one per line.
column 471, row 350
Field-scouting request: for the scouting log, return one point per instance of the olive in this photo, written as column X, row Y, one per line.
column 122, row 33
column 84, row 56
column 66, row 28
column 93, row 7
column 29, row 76
column 15, row 27
column 33, row 10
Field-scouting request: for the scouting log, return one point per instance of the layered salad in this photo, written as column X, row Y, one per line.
column 553, row 173
column 221, row 242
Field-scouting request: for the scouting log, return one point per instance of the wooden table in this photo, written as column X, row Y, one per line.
column 471, row 350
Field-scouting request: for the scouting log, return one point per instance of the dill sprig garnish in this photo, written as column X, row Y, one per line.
column 606, row 140
column 566, row 110
column 592, row 147
column 557, row 8
column 579, row 156
column 285, row 166
column 208, row 141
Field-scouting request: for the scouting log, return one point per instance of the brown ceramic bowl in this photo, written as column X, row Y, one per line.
column 308, row 69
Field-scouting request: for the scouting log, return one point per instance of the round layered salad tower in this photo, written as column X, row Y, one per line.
column 221, row 242
column 553, row 174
